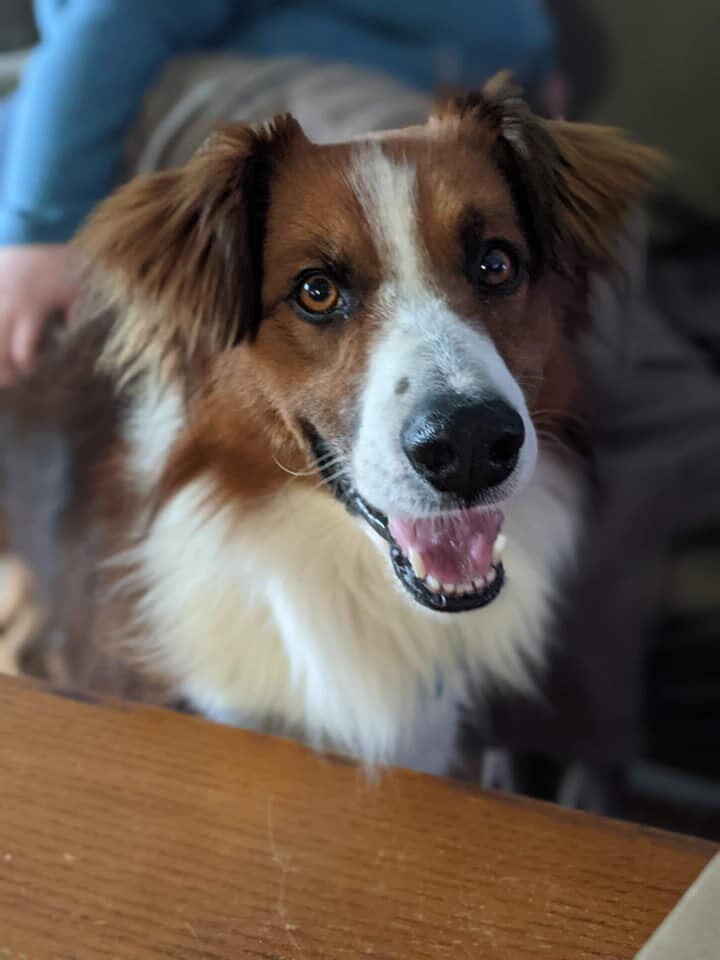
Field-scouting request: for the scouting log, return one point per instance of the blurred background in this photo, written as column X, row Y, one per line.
column 630, row 721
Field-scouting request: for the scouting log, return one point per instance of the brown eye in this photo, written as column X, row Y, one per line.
column 497, row 267
column 317, row 293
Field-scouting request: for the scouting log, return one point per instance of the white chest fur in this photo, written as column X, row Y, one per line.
column 289, row 613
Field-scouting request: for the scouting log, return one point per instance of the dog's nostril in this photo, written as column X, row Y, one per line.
column 435, row 455
column 506, row 446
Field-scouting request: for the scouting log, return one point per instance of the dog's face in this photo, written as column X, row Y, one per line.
column 395, row 314
column 400, row 326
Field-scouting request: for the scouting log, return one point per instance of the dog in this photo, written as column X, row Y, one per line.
column 304, row 461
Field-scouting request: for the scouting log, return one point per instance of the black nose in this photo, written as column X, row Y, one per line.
column 463, row 446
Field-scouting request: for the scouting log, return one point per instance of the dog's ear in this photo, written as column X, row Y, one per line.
column 573, row 184
column 178, row 254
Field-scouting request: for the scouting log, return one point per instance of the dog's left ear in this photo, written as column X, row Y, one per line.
column 178, row 253
column 573, row 184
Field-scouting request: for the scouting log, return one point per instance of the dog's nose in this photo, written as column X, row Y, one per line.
column 463, row 446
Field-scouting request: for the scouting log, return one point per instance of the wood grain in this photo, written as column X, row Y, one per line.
column 129, row 832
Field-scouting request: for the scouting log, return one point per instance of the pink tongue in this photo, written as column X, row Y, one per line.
column 455, row 547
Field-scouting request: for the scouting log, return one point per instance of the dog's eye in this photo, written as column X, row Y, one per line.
column 317, row 294
column 497, row 267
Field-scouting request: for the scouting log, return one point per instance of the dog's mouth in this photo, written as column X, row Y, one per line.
column 449, row 562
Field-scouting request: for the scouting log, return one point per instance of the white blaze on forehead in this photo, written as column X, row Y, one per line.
column 421, row 340
column 387, row 191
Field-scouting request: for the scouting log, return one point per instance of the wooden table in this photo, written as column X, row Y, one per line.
column 128, row 832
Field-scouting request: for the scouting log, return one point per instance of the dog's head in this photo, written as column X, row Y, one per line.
column 396, row 313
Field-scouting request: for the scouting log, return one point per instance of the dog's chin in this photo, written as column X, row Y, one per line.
column 475, row 589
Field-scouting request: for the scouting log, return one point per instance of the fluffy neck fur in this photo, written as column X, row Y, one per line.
column 285, row 614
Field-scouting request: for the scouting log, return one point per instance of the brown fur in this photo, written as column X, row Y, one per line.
column 178, row 247
column 573, row 183
column 255, row 207
column 196, row 266
column 69, row 506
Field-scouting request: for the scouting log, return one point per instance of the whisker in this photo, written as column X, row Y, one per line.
column 328, row 461
column 340, row 474
column 334, row 463
column 322, row 463
column 555, row 415
column 342, row 471
column 551, row 440
column 293, row 473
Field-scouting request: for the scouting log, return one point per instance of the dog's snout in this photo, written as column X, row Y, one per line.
column 462, row 446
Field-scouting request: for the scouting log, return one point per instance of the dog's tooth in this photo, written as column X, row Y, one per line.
column 433, row 584
column 465, row 588
column 449, row 588
column 499, row 547
column 417, row 563
column 491, row 576
column 479, row 583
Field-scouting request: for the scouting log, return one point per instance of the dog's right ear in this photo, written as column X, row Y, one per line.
column 178, row 254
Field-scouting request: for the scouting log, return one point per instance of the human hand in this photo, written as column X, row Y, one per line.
column 35, row 281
